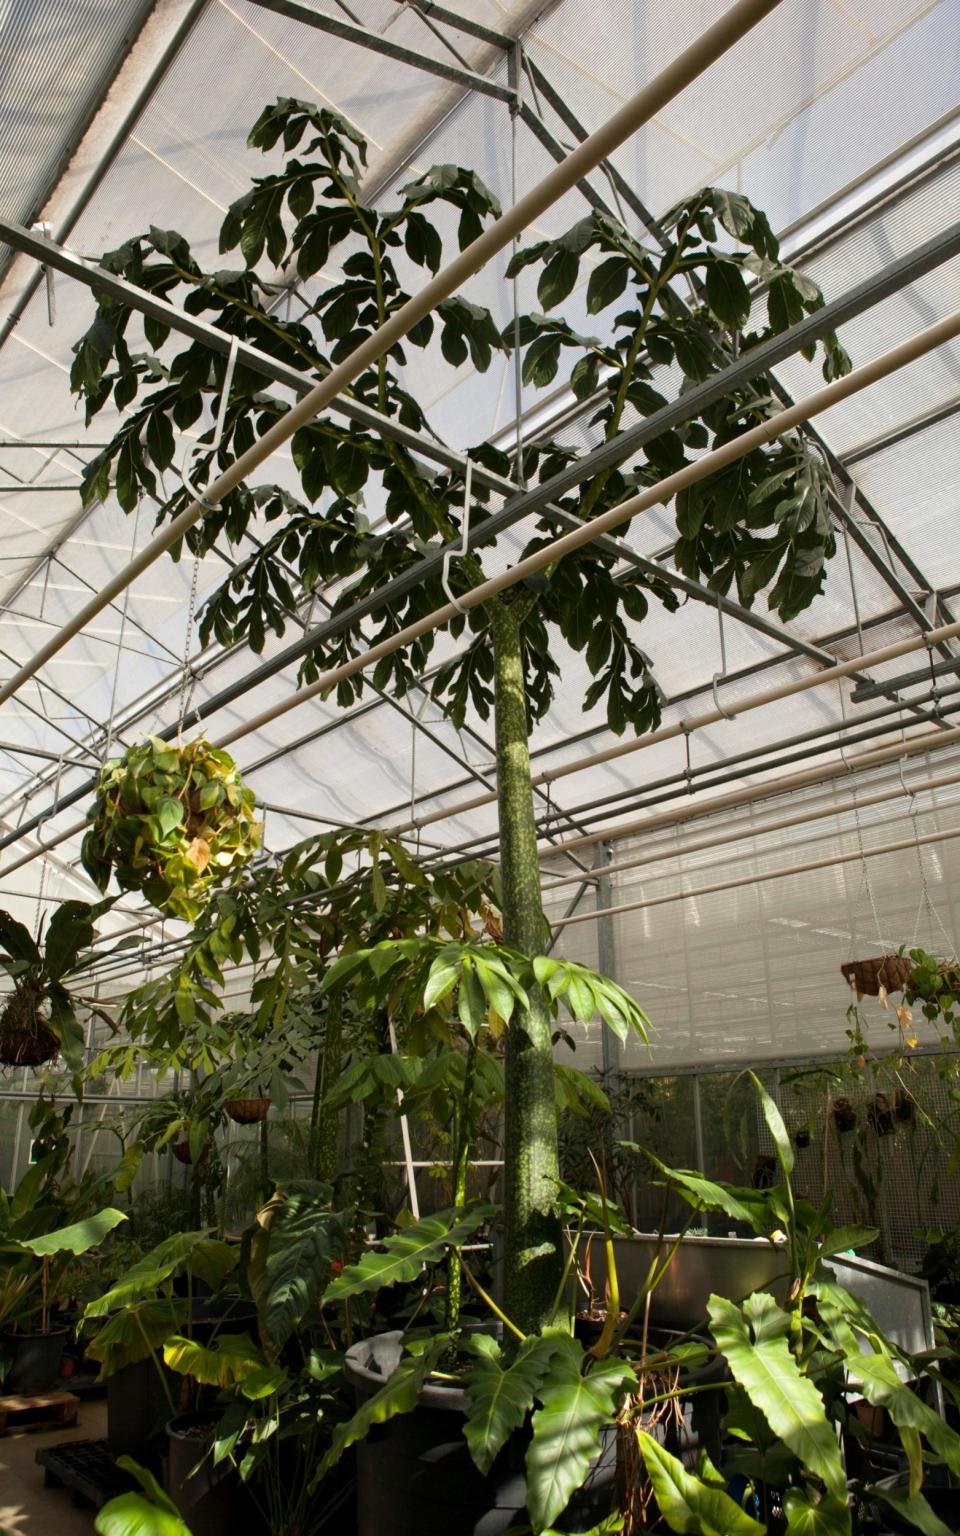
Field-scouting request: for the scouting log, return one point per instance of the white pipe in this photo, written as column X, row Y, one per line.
column 741, row 834
column 768, row 789
column 713, row 43
column 783, row 421
column 771, row 874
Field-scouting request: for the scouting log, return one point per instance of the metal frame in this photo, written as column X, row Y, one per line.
column 795, row 645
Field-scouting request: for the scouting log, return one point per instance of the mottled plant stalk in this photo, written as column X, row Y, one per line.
column 463, row 1136
column 533, row 1258
column 325, row 1122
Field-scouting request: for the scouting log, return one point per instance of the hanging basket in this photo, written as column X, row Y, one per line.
column 171, row 821
column 880, row 1115
column 181, row 1151
column 903, row 1106
column 26, row 1039
column 844, row 1115
column 866, row 977
column 247, row 1111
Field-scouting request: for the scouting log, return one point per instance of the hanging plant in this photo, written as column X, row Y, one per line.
column 170, row 821
column 887, row 972
column 38, row 1018
column 844, row 1115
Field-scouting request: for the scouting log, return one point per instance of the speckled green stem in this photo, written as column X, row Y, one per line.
column 532, row 1250
column 462, row 1144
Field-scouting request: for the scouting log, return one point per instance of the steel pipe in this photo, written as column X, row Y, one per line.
column 715, row 41
column 771, row 874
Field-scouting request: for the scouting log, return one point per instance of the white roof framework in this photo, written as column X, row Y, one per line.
column 839, row 117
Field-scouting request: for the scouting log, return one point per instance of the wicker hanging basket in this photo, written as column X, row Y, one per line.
column 26, row 1039
column 866, row 977
column 844, row 1115
column 181, row 1151
column 247, row 1111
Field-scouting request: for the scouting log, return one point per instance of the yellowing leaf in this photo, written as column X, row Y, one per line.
column 198, row 854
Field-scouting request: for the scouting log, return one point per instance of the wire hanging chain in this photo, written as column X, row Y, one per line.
column 186, row 673
column 925, row 903
column 865, row 883
column 38, row 918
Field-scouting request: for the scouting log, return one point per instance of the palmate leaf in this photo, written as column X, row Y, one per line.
column 566, row 1427
column 401, row 1258
column 687, row 1504
column 501, row 1395
column 828, row 1517
column 770, row 1376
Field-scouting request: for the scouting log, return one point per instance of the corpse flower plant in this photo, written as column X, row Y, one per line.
column 170, row 820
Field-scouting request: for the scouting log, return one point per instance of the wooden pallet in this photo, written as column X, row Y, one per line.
column 44, row 1410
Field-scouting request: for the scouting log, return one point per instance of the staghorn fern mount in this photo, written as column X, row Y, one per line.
column 171, row 821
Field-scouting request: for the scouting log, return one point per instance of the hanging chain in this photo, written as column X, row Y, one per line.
column 865, row 881
column 925, row 903
column 40, row 890
column 186, row 675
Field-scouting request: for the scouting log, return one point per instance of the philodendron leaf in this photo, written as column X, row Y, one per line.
column 302, row 1237
column 775, row 1125
column 828, row 1517
column 232, row 1360
column 747, row 1205
column 877, row 1379
column 687, row 1504
column 501, row 1395
column 79, row 1237
column 135, row 1332
column 566, row 1428
column 773, row 1381
column 206, row 1257
column 401, row 1258
column 400, row 1395
column 916, row 1510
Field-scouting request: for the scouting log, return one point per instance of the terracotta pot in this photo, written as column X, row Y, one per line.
column 247, row 1111
column 866, row 977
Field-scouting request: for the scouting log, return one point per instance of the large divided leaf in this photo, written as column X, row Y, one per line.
column 136, row 1332
column 501, row 1395
column 772, row 1379
column 688, row 1505
column 566, row 1428
column 232, row 1360
column 401, row 1258
column 400, row 1394
column 207, row 1258
column 79, row 1237
column 301, row 1237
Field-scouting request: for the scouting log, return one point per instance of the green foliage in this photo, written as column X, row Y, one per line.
column 402, row 1257
column 204, row 1257
column 689, row 1504
column 151, row 1513
column 297, row 1240
column 170, row 821
column 502, row 1394
column 754, row 1342
column 233, row 1360
column 400, row 1395
column 79, row 1237
column 577, row 1398
column 763, row 524
column 41, row 1003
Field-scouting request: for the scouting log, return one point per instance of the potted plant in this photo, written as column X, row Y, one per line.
column 170, row 820
column 31, row 1263
column 38, row 1019
column 878, row 976
column 765, row 524
column 934, row 986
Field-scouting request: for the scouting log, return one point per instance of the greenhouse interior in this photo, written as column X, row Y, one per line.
column 479, row 767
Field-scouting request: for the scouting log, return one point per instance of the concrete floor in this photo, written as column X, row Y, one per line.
column 26, row 1507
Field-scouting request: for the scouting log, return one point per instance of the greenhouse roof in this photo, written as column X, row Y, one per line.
column 839, row 119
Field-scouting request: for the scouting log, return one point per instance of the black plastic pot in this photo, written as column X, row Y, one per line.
column 415, row 1475
column 944, row 1501
column 211, row 1499
column 34, row 1359
column 137, row 1410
